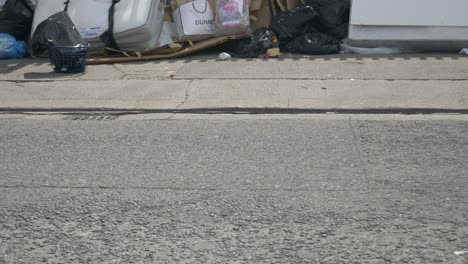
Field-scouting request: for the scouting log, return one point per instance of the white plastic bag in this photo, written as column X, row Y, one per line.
column 194, row 20
column 371, row 51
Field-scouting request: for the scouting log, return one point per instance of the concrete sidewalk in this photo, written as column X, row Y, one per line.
column 432, row 82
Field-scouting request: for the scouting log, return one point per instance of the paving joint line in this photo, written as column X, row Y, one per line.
column 234, row 110
column 174, row 78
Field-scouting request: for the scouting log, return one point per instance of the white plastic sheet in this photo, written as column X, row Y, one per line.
column 370, row 51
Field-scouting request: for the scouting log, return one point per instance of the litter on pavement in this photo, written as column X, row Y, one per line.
column 82, row 32
column 224, row 56
column 10, row 48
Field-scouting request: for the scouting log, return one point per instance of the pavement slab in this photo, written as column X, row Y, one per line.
column 36, row 70
column 340, row 67
column 289, row 67
column 327, row 94
column 184, row 95
column 133, row 94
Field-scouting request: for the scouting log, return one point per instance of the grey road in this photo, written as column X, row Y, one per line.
column 326, row 190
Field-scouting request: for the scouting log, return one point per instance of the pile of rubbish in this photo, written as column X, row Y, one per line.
column 316, row 28
column 15, row 26
column 110, row 30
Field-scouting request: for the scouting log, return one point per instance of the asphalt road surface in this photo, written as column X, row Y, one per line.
column 233, row 191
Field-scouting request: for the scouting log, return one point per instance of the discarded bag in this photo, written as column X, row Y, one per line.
column 295, row 22
column 57, row 30
column 314, row 44
column 169, row 31
column 19, row 9
column 16, row 18
column 10, row 48
column 232, row 17
column 262, row 40
column 334, row 16
column 332, row 12
column 339, row 32
column 194, row 19
column 124, row 25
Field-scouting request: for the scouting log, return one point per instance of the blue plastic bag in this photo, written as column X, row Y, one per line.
column 10, row 48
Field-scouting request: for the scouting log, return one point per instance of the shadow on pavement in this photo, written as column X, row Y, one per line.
column 49, row 75
column 8, row 66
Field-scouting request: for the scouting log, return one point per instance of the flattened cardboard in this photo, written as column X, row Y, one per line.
column 290, row 4
column 256, row 4
column 274, row 11
column 186, row 50
column 281, row 4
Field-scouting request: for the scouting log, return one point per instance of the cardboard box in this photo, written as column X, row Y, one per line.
column 290, row 4
column 261, row 15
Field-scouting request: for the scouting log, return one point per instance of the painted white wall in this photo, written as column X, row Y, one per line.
column 410, row 12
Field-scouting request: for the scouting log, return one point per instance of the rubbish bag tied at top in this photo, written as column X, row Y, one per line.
column 57, row 30
column 16, row 18
column 10, row 48
column 334, row 16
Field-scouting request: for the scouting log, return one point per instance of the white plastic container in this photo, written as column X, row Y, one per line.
column 420, row 24
column 137, row 23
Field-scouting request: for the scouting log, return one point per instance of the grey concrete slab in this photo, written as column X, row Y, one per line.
column 329, row 94
column 96, row 94
column 399, row 67
column 185, row 94
column 31, row 70
column 334, row 67
column 165, row 69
